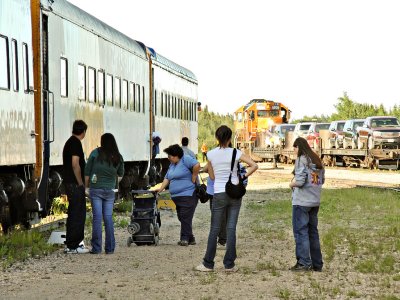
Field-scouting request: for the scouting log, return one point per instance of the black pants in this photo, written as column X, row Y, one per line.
column 222, row 231
column 185, row 208
column 76, row 215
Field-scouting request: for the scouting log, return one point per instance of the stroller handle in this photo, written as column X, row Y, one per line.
column 141, row 192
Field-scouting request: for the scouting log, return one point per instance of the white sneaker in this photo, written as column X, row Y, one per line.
column 203, row 268
column 232, row 270
column 79, row 250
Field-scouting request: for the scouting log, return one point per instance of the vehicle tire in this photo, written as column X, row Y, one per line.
column 353, row 144
column 337, row 146
column 371, row 144
column 345, row 145
column 360, row 144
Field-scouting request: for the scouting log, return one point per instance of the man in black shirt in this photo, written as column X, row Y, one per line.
column 74, row 166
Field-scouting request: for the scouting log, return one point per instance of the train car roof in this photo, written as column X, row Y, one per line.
column 174, row 66
column 81, row 18
column 168, row 64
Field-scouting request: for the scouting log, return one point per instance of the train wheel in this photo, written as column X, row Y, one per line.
column 6, row 218
column 371, row 144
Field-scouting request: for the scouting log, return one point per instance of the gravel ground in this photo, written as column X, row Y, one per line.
column 167, row 271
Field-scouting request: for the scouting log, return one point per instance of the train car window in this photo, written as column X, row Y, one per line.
column 109, row 90
column 124, row 94
column 92, row 84
column 169, row 106
column 131, row 96
column 63, row 77
column 155, row 102
column 174, row 110
column 4, row 64
column 138, row 97
column 14, row 53
column 143, row 100
column 101, row 87
column 81, row 82
column 117, row 92
column 162, row 104
column 134, row 97
column 25, row 61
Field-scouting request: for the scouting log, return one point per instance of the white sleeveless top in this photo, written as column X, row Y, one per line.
column 220, row 159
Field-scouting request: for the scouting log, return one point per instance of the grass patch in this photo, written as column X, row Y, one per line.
column 21, row 245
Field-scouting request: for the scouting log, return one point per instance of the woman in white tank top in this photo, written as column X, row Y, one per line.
column 219, row 168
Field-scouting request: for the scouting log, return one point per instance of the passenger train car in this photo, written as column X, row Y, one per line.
column 59, row 64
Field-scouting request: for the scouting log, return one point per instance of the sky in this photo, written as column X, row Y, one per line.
column 304, row 54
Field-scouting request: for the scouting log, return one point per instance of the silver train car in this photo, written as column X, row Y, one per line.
column 59, row 64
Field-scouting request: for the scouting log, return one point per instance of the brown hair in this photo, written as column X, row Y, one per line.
column 304, row 149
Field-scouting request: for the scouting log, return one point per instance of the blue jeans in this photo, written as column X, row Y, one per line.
column 222, row 204
column 185, row 208
column 102, row 208
column 305, row 231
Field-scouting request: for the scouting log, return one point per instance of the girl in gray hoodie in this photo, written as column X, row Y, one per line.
column 309, row 176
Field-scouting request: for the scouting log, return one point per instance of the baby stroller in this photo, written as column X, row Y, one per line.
column 145, row 219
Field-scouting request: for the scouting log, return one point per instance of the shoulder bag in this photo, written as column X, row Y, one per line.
column 235, row 191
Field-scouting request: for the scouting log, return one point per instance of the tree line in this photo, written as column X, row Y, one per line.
column 348, row 109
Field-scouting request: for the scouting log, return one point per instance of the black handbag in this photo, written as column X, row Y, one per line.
column 235, row 191
column 201, row 193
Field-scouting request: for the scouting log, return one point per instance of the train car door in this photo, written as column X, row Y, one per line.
column 47, row 118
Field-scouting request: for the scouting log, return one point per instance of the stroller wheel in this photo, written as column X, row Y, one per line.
column 129, row 241
column 151, row 228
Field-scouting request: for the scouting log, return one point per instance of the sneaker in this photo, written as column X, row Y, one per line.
column 78, row 250
column 93, row 252
column 232, row 270
column 192, row 242
column 317, row 269
column 221, row 245
column 299, row 267
column 203, row 268
column 183, row 243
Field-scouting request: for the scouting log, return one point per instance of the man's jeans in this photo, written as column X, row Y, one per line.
column 102, row 208
column 76, row 215
column 305, row 231
column 222, row 203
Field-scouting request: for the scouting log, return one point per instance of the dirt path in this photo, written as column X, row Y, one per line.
column 167, row 271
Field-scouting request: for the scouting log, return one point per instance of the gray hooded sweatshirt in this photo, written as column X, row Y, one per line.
column 309, row 181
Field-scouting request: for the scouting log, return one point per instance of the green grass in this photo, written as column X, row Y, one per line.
column 21, row 245
column 356, row 222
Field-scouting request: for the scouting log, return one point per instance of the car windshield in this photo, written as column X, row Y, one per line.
column 318, row 127
column 389, row 122
column 340, row 126
column 287, row 129
column 304, row 127
column 358, row 124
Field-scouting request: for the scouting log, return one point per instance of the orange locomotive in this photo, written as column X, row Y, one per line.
column 258, row 116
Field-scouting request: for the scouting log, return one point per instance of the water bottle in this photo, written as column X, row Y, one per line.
column 94, row 178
